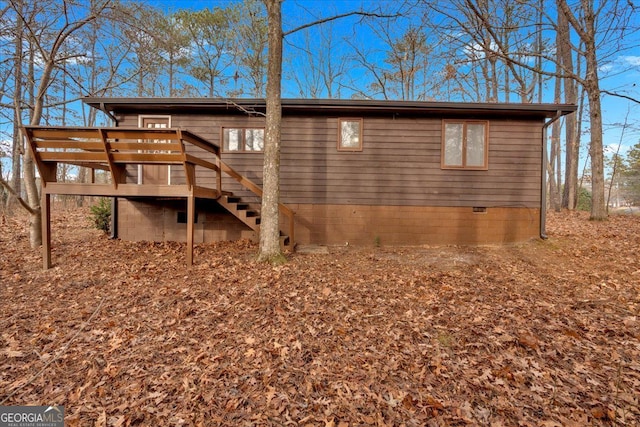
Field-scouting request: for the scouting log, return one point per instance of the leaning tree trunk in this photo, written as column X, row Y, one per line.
column 270, row 223
column 35, row 217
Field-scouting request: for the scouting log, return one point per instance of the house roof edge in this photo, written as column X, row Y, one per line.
column 348, row 106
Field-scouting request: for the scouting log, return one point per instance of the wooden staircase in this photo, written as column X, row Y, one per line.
column 249, row 214
column 116, row 149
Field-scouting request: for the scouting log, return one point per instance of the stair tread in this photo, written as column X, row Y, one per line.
column 249, row 213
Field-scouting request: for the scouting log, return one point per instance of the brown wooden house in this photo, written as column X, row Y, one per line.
column 359, row 172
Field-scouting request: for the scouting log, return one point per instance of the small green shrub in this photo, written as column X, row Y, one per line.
column 584, row 200
column 101, row 214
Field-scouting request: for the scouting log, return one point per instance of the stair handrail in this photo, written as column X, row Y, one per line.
column 255, row 189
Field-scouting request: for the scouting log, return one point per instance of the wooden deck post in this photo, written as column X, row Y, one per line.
column 191, row 214
column 45, row 218
column 219, row 175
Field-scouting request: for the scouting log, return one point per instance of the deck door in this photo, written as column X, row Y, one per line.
column 155, row 174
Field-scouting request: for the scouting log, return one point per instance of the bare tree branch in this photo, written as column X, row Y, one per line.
column 232, row 103
column 20, row 200
column 343, row 15
column 619, row 95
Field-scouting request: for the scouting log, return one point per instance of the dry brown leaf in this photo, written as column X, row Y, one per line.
column 102, row 420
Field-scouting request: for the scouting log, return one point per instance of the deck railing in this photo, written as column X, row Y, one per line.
column 113, row 149
column 255, row 189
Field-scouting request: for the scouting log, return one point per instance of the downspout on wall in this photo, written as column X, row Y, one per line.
column 543, row 179
column 108, row 113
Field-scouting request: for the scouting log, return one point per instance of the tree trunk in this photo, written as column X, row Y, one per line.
column 572, row 152
column 270, row 223
column 18, row 146
column 30, row 182
column 16, row 164
column 33, row 198
column 587, row 32
column 592, row 86
column 554, row 182
column 598, row 208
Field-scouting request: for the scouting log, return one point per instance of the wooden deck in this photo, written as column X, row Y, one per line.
column 116, row 149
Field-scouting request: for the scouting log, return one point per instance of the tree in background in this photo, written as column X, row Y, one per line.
column 211, row 33
column 49, row 29
column 401, row 65
column 143, row 46
column 250, row 48
column 324, row 61
column 600, row 28
column 630, row 176
column 172, row 46
column 491, row 46
column 18, row 82
column 566, row 68
column 408, row 56
column 584, row 24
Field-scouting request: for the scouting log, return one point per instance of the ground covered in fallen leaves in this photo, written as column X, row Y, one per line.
column 544, row 333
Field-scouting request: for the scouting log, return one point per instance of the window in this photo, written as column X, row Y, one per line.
column 242, row 139
column 465, row 145
column 350, row 135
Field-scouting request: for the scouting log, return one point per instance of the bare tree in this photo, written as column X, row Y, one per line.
column 585, row 25
column 210, row 33
column 320, row 65
column 51, row 53
column 251, row 44
column 489, row 40
column 402, row 67
column 138, row 33
column 553, row 165
column 18, row 78
column 572, row 152
column 269, row 249
column 600, row 27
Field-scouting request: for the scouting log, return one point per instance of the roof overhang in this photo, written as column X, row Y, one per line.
column 243, row 106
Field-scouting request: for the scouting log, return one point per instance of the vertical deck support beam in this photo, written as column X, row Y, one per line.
column 45, row 212
column 219, row 174
column 191, row 215
column 292, row 243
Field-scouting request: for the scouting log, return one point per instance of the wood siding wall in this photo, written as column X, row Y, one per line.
column 398, row 166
